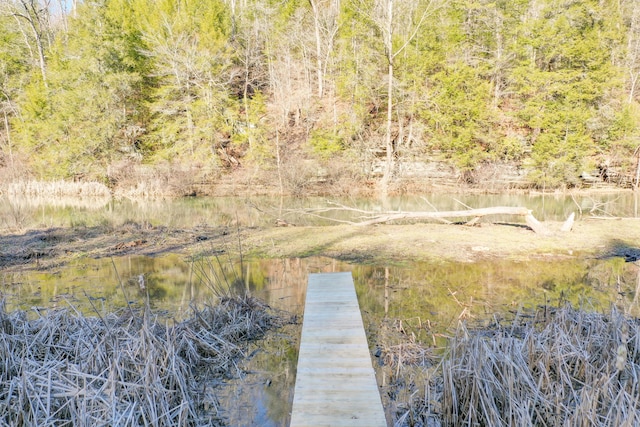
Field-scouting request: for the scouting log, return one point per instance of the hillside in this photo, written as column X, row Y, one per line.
column 367, row 94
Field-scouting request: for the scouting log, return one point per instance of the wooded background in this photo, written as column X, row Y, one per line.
column 290, row 90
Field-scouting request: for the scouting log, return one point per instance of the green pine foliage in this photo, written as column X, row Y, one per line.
column 75, row 125
column 563, row 87
column 542, row 84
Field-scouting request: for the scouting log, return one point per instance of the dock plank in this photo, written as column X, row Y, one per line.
column 335, row 381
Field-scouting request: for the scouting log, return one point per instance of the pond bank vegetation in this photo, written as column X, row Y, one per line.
column 126, row 368
column 553, row 367
column 285, row 94
column 57, row 188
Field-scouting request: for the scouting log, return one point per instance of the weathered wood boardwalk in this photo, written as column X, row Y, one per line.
column 335, row 382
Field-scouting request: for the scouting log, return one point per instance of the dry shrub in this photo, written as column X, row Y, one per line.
column 404, row 368
column 299, row 176
column 345, row 178
column 122, row 369
column 295, row 176
column 162, row 180
column 13, row 168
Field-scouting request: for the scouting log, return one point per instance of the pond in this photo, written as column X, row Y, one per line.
column 429, row 298
column 21, row 213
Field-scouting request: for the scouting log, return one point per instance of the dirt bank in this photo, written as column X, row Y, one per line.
column 46, row 248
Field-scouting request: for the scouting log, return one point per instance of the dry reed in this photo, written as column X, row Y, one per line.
column 124, row 369
column 562, row 368
column 58, row 188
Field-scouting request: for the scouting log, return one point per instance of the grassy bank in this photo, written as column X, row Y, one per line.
column 128, row 368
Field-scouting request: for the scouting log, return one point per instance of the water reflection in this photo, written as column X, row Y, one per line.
column 429, row 298
column 432, row 298
column 169, row 283
column 20, row 213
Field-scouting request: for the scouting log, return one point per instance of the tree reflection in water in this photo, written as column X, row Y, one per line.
column 428, row 299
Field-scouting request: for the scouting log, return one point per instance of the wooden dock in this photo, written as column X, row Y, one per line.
column 335, row 381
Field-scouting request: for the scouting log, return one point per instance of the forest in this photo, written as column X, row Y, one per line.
column 287, row 93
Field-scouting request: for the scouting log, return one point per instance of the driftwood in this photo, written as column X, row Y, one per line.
column 531, row 221
column 535, row 225
column 475, row 213
column 568, row 224
column 370, row 217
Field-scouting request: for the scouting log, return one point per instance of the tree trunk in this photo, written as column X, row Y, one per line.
column 382, row 217
column 388, row 45
column 475, row 213
column 32, row 16
column 316, row 24
column 8, row 138
column 636, row 181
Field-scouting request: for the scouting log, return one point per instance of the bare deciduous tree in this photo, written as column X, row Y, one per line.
column 33, row 20
column 633, row 51
column 325, row 24
column 398, row 23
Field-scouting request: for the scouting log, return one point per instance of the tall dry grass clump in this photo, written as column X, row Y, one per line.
column 161, row 181
column 124, row 369
column 58, row 189
column 565, row 368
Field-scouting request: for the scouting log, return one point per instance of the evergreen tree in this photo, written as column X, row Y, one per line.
column 564, row 78
column 12, row 68
column 188, row 44
column 86, row 115
column 550, row 86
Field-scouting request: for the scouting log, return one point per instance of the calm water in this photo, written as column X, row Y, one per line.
column 258, row 211
column 429, row 298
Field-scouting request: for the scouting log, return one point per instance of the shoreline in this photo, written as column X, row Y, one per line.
column 37, row 249
column 231, row 188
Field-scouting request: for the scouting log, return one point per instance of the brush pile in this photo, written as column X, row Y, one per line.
column 562, row 368
column 123, row 369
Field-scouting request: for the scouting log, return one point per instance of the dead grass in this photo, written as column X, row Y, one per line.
column 562, row 368
column 130, row 368
column 55, row 189
column 161, row 181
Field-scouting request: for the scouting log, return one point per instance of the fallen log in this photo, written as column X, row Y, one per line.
column 368, row 217
column 530, row 220
column 535, row 225
column 371, row 218
column 475, row 213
